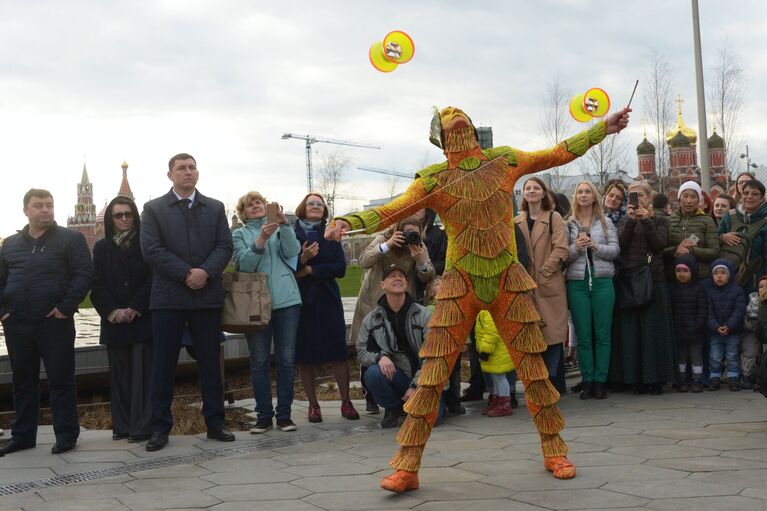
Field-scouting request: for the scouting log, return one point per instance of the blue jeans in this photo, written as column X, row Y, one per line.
column 725, row 346
column 282, row 328
column 387, row 393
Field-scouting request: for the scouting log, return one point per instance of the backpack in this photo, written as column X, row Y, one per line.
column 739, row 256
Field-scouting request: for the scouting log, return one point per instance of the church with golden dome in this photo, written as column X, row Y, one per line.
column 683, row 160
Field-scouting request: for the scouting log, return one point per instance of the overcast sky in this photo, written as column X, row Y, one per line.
column 101, row 82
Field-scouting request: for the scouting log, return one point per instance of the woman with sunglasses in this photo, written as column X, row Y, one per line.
column 121, row 285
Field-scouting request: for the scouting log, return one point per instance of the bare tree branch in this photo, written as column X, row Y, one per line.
column 726, row 101
column 554, row 123
column 331, row 177
column 656, row 93
column 600, row 161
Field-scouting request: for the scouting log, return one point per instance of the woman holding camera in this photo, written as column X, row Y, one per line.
column 545, row 238
column 590, row 292
column 644, row 349
column 267, row 243
column 321, row 335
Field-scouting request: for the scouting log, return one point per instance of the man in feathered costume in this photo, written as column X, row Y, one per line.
column 473, row 192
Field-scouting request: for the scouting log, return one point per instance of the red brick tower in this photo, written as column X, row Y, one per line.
column 84, row 219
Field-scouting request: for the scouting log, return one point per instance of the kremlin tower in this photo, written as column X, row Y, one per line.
column 84, row 219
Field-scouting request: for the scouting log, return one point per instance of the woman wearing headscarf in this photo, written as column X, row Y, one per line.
column 644, row 351
column 121, row 287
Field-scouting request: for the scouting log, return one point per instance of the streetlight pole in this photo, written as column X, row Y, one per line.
column 705, row 168
column 749, row 165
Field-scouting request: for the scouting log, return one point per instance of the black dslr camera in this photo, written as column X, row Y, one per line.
column 412, row 238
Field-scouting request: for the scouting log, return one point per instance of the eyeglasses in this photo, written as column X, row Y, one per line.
column 126, row 215
column 312, row 203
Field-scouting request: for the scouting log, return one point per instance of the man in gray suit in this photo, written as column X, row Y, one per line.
column 186, row 240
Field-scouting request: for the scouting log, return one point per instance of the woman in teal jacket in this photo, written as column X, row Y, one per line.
column 270, row 248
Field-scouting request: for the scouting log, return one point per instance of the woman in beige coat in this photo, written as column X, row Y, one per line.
column 545, row 236
column 400, row 247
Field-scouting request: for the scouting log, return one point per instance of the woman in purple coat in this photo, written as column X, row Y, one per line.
column 321, row 328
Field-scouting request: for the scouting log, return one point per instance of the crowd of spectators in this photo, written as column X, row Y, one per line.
column 696, row 318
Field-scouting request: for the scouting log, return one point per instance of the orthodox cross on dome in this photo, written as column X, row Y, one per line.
column 644, row 123
column 679, row 102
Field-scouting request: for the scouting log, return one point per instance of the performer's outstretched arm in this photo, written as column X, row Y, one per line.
column 373, row 220
column 572, row 148
column 562, row 153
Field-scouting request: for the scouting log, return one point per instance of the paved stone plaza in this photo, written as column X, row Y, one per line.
column 675, row 451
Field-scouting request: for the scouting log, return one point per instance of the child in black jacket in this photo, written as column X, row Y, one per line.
column 726, row 310
column 689, row 305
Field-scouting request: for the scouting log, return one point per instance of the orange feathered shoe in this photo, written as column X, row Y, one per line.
column 401, row 481
column 560, row 466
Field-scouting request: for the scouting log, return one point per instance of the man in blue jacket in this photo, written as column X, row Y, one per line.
column 186, row 240
column 45, row 272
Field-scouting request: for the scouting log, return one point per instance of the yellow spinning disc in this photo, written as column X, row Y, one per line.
column 596, row 102
column 379, row 60
column 398, row 47
column 576, row 109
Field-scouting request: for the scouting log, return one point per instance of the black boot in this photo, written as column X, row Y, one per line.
column 392, row 417
column 599, row 390
column 587, row 390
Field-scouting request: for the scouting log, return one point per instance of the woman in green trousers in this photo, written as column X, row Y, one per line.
column 590, row 293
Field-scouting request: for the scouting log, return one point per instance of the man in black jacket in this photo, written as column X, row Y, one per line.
column 185, row 239
column 45, row 272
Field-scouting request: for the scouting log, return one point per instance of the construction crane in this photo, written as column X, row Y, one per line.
column 387, row 172
column 311, row 139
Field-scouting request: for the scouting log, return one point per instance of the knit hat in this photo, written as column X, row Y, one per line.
column 682, row 265
column 723, row 266
column 690, row 185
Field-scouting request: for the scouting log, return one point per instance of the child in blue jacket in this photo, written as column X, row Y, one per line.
column 726, row 310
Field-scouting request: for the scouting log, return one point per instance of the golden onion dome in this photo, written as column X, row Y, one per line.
column 688, row 132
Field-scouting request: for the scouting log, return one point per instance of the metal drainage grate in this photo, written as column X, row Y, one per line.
column 266, row 443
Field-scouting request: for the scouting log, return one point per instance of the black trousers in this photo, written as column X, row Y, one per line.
column 53, row 341
column 167, row 330
column 130, row 367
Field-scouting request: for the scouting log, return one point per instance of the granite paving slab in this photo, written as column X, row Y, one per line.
column 736, row 478
column 254, row 492
column 479, row 504
column 729, row 503
column 705, row 464
column 169, row 500
column 540, row 481
column 672, row 489
column 664, row 451
column 339, row 484
column 757, row 455
column 368, row 500
column 642, row 472
column 579, row 499
column 267, row 505
column 84, row 492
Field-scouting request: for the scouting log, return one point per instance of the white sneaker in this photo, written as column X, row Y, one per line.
column 286, row 425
